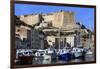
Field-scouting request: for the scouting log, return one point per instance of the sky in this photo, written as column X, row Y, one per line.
column 82, row 15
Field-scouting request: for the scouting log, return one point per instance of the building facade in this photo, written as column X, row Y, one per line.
column 58, row 29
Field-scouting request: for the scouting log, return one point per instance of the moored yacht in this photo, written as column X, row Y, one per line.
column 89, row 51
column 78, row 52
column 64, row 54
column 51, row 52
column 39, row 53
column 24, row 56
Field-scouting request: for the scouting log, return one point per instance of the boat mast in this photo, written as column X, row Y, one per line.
column 59, row 38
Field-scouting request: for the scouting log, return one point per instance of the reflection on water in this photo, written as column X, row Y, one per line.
column 42, row 61
column 37, row 60
column 89, row 58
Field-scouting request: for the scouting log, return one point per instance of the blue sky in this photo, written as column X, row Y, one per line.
column 83, row 15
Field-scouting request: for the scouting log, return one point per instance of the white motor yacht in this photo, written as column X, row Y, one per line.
column 78, row 52
column 40, row 53
column 51, row 52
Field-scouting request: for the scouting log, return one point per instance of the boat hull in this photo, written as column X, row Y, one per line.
column 25, row 60
column 65, row 57
column 79, row 55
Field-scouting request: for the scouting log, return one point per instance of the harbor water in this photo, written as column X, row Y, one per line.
column 87, row 58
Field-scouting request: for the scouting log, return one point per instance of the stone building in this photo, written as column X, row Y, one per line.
column 59, row 29
column 22, row 35
column 22, row 31
column 58, row 19
column 37, row 39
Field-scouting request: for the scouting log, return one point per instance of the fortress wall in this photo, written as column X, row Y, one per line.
column 58, row 19
column 68, row 18
column 48, row 18
column 30, row 19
